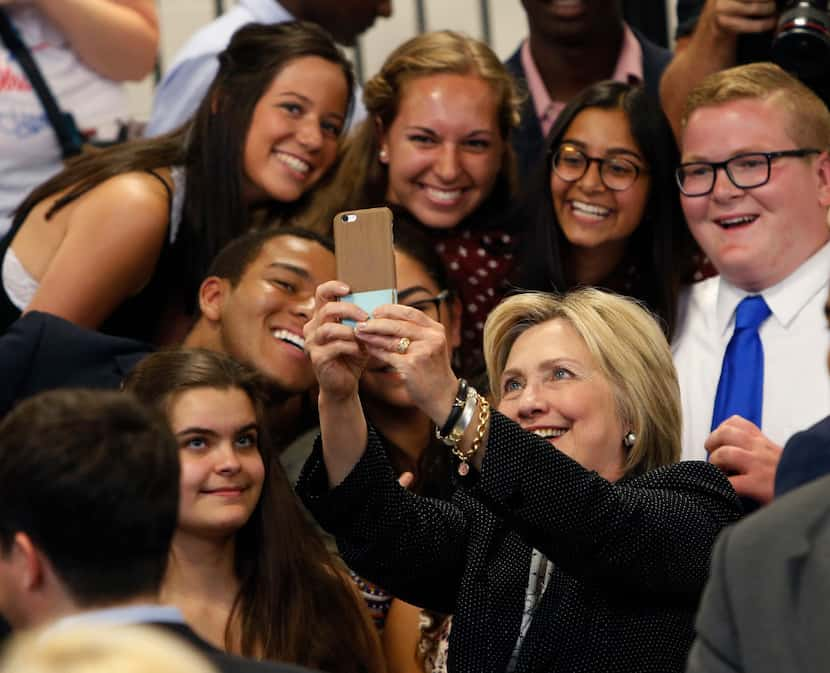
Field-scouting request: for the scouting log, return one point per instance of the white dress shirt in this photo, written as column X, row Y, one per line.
column 795, row 340
column 120, row 616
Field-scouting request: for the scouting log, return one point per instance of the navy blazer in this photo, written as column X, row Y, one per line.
column 528, row 141
column 226, row 663
column 806, row 457
column 630, row 558
column 40, row 351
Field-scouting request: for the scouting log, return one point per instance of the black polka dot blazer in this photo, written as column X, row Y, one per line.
column 630, row 558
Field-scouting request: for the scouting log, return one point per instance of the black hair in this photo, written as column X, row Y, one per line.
column 92, row 477
column 234, row 259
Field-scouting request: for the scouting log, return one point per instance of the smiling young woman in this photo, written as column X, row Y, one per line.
column 602, row 208
column 246, row 569
column 436, row 143
column 121, row 239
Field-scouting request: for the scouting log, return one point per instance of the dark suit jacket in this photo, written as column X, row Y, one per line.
column 630, row 558
column 225, row 662
column 766, row 608
column 528, row 141
column 41, row 352
column 806, row 457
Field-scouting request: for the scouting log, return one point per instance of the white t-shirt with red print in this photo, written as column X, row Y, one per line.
column 29, row 149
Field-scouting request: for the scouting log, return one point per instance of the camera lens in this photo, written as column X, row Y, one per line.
column 345, row 218
column 802, row 40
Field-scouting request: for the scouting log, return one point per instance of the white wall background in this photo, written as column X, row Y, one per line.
column 180, row 18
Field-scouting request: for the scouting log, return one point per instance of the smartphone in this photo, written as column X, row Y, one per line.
column 365, row 257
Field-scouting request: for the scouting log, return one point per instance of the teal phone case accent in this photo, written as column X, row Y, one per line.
column 370, row 300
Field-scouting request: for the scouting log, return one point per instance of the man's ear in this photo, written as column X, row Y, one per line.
column 27, row 560
column 212, row 295
column 823, row 174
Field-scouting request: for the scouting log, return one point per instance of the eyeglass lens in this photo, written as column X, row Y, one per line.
column 616, row 173
column 745, row 171
column 429, row 306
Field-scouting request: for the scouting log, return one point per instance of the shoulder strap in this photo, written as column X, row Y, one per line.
column 163, row 182
column 63, row 123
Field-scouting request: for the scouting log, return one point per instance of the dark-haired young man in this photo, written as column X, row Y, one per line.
column 258, row 294
column 90, row 492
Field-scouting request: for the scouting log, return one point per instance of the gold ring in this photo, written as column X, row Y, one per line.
column 403, row 345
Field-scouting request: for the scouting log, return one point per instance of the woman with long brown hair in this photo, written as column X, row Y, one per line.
column 246, row 568
column 121, row 238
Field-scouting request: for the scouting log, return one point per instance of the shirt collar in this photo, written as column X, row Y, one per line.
column 785, row 299
column 629, row 69
column 267, row 11
column 132, row 614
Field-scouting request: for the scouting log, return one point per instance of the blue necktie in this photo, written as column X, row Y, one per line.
column 741, row 384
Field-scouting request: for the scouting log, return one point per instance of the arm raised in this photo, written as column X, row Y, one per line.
column 712, row 47
column 117, row 38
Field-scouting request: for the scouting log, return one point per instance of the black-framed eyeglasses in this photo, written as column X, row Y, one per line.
column 431, row 305
column 746, row 170
column 616, row 173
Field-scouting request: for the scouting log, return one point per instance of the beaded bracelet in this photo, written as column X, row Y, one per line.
column 457, row 407
column 481, row 429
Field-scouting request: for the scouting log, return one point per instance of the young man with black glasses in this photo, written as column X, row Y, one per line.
column 751, row 342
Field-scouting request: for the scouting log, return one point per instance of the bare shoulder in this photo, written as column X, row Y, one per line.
column 135, row 200
column 135, row 189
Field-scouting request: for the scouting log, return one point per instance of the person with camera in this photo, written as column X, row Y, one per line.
column 713, row 35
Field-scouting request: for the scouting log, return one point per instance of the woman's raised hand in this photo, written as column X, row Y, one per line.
column 337, row 357
column 406, row 339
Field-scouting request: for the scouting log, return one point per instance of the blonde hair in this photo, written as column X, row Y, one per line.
column 102, row 649
column 360, row 179
column 629, row 349
column 808, row 117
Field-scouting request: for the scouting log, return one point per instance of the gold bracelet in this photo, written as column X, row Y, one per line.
column 481, row 429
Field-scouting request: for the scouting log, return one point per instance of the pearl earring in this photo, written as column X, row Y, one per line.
column 383, row 155
column 629, row 440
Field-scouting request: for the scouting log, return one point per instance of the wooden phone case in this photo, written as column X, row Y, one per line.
column 364, row 250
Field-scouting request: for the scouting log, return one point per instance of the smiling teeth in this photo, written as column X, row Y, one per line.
column 290, row 337
column 293, row 162
column 443, row 194
column 736, row 221
column 590, row 209
column 550, row 432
